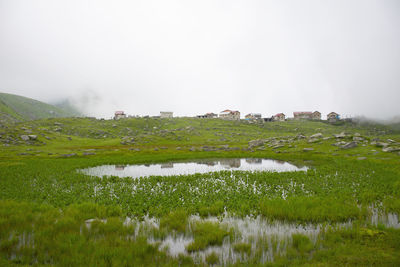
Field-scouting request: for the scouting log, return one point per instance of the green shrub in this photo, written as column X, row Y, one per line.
column 207, row 234
column 175, row 220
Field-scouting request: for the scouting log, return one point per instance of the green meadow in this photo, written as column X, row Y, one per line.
column 51, row 214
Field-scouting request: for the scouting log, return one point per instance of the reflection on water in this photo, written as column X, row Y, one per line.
column 119, row 167
column 267, row 239
column 167, row 165
column 254, row 161
column 199, row 166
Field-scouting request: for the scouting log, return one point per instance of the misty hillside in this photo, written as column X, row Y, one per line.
column 68, row 107
column 19, row 108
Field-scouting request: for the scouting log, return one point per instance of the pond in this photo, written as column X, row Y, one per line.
column 192, row 167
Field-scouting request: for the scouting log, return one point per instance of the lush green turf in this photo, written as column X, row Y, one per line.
column 41, row 192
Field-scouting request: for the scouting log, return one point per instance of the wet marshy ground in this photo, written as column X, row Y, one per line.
column 186, row 168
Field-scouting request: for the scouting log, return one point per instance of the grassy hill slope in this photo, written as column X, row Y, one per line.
column 19, row 108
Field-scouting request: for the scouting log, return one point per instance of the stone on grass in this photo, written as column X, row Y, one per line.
column 255, row 143
column 390, row 149
column 308, row 149
column 317, row 135
column 349, row 145
column 68, row 155
column 341, row 135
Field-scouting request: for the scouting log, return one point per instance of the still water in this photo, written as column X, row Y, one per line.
column 192, row 167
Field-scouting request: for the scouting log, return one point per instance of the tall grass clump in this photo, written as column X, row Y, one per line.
column 175, row 220
column 207, row 234
column 312, row 209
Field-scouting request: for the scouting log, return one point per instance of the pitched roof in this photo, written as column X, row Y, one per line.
column 302, row 113
column 279, row 114
column 229, row 111
column 119, row 113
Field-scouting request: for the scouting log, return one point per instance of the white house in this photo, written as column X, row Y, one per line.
column 166, row 114
column 230, row 115
column 119, row 115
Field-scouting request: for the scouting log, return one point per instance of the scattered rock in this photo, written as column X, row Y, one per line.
column 361, row 158
column 300, row 136
column 255, row 143
column 317, row 135
column 349, row 145
column 208, row 148
column 356, row 138
column 390, row 149
column 178, row 148
column 25, row 137
column 380, row 144
column 341, row 135
column 32, row 137
column 68, row 155
column 308, row 149
column 88, row 153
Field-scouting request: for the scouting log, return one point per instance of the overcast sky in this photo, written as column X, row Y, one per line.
column 193, row 57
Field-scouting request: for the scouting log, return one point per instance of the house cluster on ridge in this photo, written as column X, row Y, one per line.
column 235, row 115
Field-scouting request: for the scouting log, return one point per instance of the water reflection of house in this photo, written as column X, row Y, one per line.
column 254, row 161
column 119, row 167
column 279, row 161
column 209, row 162
column 231, row 163
column 167, row 165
